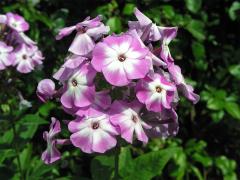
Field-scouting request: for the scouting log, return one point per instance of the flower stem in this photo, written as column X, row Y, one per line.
column 116, row 161
column 17, row 151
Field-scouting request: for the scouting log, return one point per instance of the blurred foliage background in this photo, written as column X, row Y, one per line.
column 207, row 48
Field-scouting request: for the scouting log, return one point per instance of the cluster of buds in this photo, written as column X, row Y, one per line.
column 16, row 48
column 116, row 85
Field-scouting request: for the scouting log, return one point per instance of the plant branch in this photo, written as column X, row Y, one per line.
column 116, row 162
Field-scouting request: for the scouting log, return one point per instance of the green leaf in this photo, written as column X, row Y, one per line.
column 206, row 161
column 151, row 164
column 180, row 159
column 28, row 125
column 197, row 172
column 7, row 137
column 5, row 154
column 115, row 24
column 227, row 167
column 232, row 12
column 199, row 54
column 125, row 157
column 233, row 109
column 38, row 169
column 128, row 9
column 235, row 71
column 215, row 104
column 217, row 116
column 198, row 51
column 195, row 146
column 196, row 28
column 168, row 11
column 25, row 157
column 46, row 108
column 102, row 167
column 193, row 5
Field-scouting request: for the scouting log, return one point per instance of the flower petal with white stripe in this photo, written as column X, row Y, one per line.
column 121, row 59
column 156, row 92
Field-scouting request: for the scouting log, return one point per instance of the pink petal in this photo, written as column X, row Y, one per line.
column 143, row 20
column 67, row 99
column 65, row 32
column 50, row 156
column 115, row 74
column 136, row 69
column 141, row 136
column 102, row 56
column 128, row 134
column 82, row 44
column 102, row 141
column 83, row 139
column 84, row 96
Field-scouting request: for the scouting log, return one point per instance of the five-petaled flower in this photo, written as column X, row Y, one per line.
column 93, row 133
column 127, row 117
column 121, row 59
column 156, row 92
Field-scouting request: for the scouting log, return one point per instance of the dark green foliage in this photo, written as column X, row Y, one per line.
column 208, row 50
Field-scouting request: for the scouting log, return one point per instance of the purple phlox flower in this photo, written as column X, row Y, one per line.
column 20, row 38
column 156, row 92
column 186, row 89
column 164, row 124
column 45, row 89
column 72, row 111
column 7, row 58
column 93, row 133
column 79, row 89
column 121, row 59
column 102, row 101
column 27, row 58
column 72, row 62
column 168, row 34
column 151, row 56
column 87, row 31
column 145, row 24
column 37, row 56
column 126, row 116
column 17, row 38
column 51, row 154
column 3, row 19
column 17, row 22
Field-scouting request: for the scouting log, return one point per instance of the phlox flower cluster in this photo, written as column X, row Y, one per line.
column 16, row 48
column 116, row 86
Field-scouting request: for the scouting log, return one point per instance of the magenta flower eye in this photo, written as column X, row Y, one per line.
column 121, row 57
column 95, row 125
column 74, row 82
column 158, row 89
column 114, row 85
column 134, row 119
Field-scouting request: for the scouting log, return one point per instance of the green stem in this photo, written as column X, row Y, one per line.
column 17, row 151
column 116, row 160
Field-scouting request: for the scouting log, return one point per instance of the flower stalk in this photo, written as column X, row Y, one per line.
column 17, row 151
column 116, row 162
